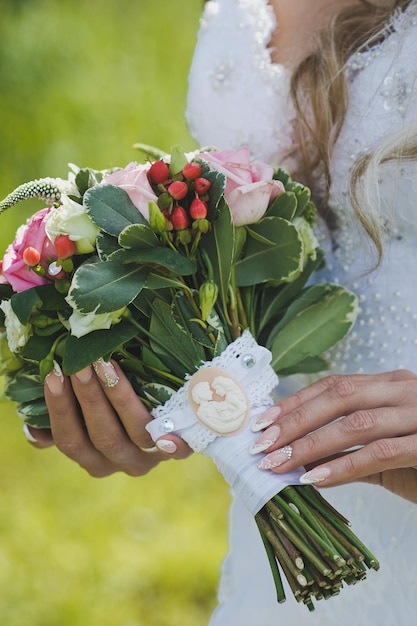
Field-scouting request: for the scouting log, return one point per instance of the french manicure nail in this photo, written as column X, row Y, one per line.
column 266, row 440
column 28, row 434
column 85, row 375
column 55, row 380
column 106, row 373
column 275, row 459
column 316, row 475
column 166, row 445
column 266, row 419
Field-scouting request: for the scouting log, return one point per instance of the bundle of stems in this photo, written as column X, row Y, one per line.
column 313, row 545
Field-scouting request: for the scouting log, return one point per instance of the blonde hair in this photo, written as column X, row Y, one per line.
column 319, row 90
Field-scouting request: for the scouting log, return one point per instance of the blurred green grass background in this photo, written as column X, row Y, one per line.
column 81, row 82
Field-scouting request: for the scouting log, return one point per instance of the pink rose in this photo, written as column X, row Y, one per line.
column 249, row 187
column 134, row 180
column 14, row 269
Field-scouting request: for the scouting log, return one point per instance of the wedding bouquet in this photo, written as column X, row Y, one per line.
column 190, row 271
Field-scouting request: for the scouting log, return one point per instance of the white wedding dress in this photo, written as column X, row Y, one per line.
column 237, row 96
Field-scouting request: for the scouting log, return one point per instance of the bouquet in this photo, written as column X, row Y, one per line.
column 192, row 272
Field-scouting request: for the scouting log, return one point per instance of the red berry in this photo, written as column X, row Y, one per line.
column 31, row 256
column 192, row 171
column 64, row 246
column 202, row 185
column 158, row 172
column 198, row 209
column 178, row 189
column 179, row 218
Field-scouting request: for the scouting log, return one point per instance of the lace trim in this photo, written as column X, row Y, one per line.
column 399, row 23
column 263, row 17
column 248, row 363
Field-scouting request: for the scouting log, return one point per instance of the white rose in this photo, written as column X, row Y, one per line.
column 83, row 323
column 16, row 332
column 71, row 219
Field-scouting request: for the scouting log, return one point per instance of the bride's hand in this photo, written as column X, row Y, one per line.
column 98, row 421
column 376, row 415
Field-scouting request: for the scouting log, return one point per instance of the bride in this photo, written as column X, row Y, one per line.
column 327, row 89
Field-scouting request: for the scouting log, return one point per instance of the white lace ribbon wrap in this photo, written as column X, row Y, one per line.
column 249, row 364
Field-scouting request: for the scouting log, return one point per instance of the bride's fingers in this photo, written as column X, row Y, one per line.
column 105, row 429
column 38, row 437
column 67, row 428
column 358, row 429
column 133, row 414
column 346, row 395
column 378, row 456
column 336, row 385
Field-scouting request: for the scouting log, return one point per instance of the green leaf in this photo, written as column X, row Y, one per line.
column 24, row 303
column 34, row 413
column 6, row 292
column 37, row 420
column 219, row 246
column 106, row 286
column 82, row 351
column 159, row 257
column 178, row 161
column 151, row 359
column 156, row 281
column 310, row 365
column 302, row 193
column 276, row 300
column 283, row 206
column 276, row 260
column 150, row 151
column 52, row 300
column 168, row 339
column 85, row 179
column 283, row 176
column 38, row 347
column 185, row 315
column 218, row 185
column 157, row 393
column 138, row 236
column 313, row 324
column 24, row 385
column 111, row 209
column 106, row 245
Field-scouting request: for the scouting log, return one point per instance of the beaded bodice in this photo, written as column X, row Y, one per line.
column 238, row 96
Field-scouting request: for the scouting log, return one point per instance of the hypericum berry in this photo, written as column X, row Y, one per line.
column 158, row 172
column 178, row 189
column 31, row 256
column 179, row 218
column 201, row 186
column 192, row 171
column 64, row 247
column 198, row 209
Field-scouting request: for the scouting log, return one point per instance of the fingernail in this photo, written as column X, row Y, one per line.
column 151, row 449
column 85, row 375
column 55, row 380
column 166, row 445
column 28, row 434
column 266, row 440
column 316, row 475
column 266, row 419
column 106, row 373
column 275, row 459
